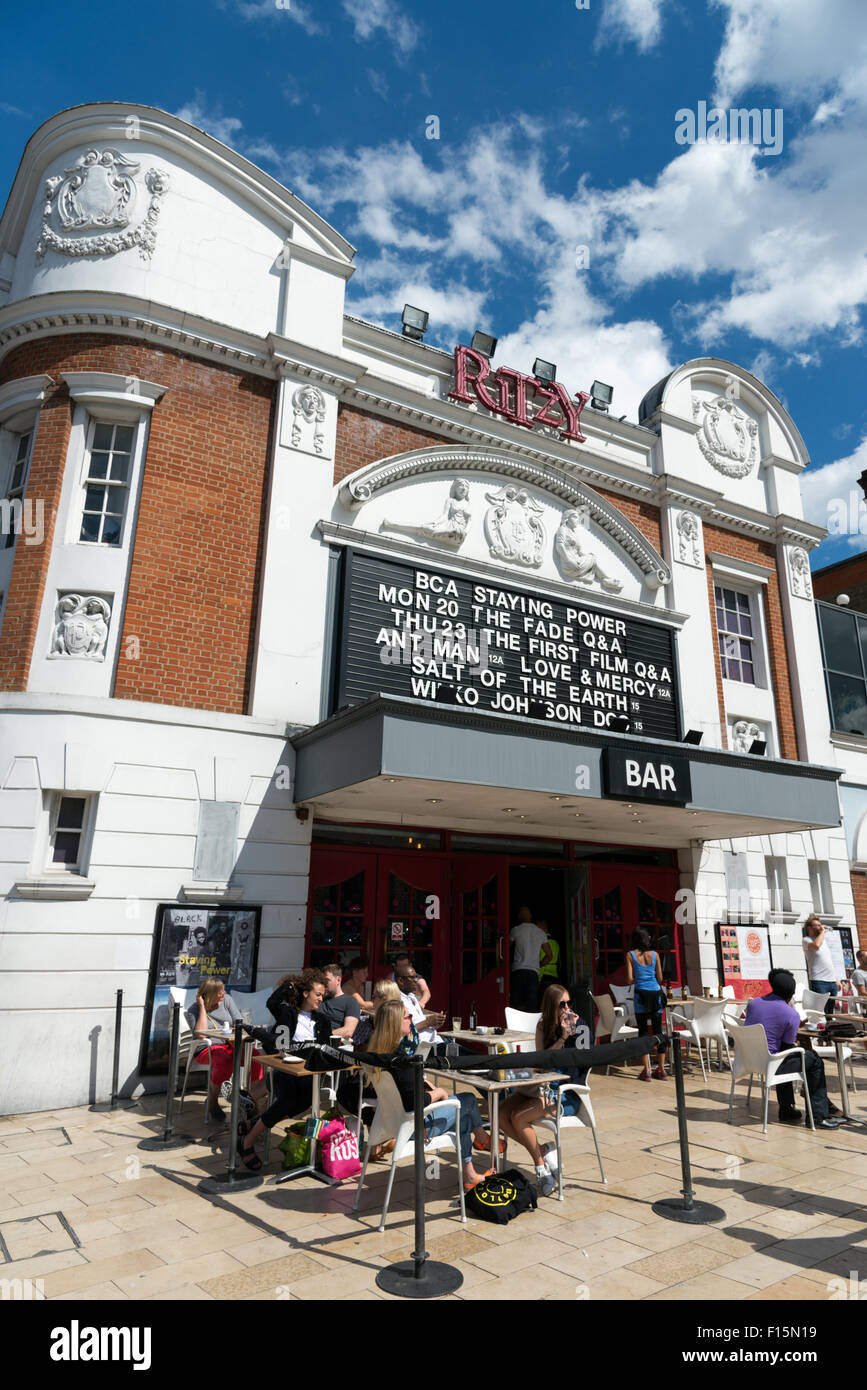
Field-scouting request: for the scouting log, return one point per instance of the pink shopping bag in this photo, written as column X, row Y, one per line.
column 339, row 1149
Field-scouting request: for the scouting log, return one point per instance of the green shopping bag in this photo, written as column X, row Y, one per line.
column 295, row 1146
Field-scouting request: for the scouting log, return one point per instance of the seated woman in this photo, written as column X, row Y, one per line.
column 293, row 1004
column 382, row 990
column 391, row 1029
column 215, row 1011
column 644, row 971
column 556, row 1029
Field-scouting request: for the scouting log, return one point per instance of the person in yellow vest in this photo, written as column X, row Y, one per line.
column 549, row 973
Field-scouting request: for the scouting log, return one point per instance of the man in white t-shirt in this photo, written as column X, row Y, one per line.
column 426, row 1023
column 820, row 963
column 530, row 950
column 859, row 976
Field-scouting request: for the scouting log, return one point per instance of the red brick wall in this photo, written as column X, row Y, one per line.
column 859, row 894
column 760, row 553
column 193, row 585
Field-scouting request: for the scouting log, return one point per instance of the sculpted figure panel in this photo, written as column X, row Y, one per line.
column 449, row 528
column 576, row 563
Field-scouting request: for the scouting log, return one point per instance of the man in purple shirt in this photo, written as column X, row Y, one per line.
column 781, row 1023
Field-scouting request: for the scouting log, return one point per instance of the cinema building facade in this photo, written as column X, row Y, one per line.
column 320, row 636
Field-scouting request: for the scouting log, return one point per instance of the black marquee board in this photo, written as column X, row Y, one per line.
column 479, row 645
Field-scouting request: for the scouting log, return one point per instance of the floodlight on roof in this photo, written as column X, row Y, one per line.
column 414, row 322
column 483, row 343
column 545, row 372
column 602, row 395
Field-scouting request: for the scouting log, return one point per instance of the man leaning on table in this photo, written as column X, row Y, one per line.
column 781, row 1023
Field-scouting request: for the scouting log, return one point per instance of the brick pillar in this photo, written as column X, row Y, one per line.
column 859, row 896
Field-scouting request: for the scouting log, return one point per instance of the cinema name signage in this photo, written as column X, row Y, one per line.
column 511, row 393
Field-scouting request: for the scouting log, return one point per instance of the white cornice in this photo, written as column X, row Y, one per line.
column 81, row 125
column 20, row 400
column 677, row 422
column 684, row 492
column 776, row 461
column 731, row 564
column 111, row 390
column 338, row 533
column 325, row 368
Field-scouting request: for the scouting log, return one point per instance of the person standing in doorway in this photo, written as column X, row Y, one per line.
column 530, row 951
column 549, row 973
column 643, row 970
column 820, row 963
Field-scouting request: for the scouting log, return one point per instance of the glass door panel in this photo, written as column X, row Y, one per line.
column 480, row 939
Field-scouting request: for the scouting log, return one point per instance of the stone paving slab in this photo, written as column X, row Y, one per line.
column 795, row 1208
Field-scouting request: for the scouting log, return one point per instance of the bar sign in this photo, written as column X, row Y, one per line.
column 637, row 776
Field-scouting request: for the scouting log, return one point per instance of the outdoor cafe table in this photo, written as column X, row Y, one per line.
column 490, row 1087
column 489, row 1040
column 309, row 1169
column 808, row 1036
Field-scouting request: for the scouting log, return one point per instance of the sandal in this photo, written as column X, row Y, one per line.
column 468, row 1186
column 484, row 1145
column 250, row 1159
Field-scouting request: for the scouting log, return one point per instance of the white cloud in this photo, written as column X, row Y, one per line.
column 803, row 49
column 369, row 16
column 635, row 21
column 224, row 128
column 270, row 9
column 833, row 499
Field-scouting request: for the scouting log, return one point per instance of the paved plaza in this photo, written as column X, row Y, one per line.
column 85, row 1214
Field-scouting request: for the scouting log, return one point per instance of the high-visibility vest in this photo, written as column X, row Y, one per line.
column 552, row 968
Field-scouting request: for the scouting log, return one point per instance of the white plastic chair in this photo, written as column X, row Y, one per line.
column 624, row 995
column 255, row 1005
column 391, row 1121
column 611, row 1021
column 706, row 1026
column 560, row 1121
column 815, row 1013
column 522, row 1023
column 753, row 1058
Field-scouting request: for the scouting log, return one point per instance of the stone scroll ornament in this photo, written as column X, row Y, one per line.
column 726, row 436
column 81, row 627
column 688, row 546
column 450, row 527
column 576, row 563
column 308, row 412
column 799, row 570
column 99, row 194
column 513, row 527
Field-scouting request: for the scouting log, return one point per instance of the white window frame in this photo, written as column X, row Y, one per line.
column 9, row 491
column 777, row 877
column 52, row 803
column 821, row 888
column 756, row 639
column 123, row 489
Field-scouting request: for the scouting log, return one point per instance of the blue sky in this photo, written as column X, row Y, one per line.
column 556, row 209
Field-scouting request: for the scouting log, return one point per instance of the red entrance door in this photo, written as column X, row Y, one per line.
column 622, row 899
column 342, row 904
column 412, row 914
column 480, row 941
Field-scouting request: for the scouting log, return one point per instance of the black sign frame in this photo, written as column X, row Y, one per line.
column 614, row 775
column 236, row 962
column 359, row 674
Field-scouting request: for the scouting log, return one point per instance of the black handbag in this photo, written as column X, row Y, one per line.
column 501, row 1197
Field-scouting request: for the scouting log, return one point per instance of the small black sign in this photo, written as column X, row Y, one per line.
column 638, row 776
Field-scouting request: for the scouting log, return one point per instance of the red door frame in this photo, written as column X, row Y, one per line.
column 627, row 879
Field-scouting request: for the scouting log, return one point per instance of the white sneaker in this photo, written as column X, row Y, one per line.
column 546, row 1181
column 549, row 1153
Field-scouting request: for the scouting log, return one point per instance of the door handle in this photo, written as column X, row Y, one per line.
column 500, row 983
column 499, row 950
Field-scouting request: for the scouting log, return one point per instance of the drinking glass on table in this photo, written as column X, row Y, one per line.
column 246, row 1016
column 456, row 1025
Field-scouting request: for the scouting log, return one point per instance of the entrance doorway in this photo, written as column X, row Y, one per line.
column 452, row 911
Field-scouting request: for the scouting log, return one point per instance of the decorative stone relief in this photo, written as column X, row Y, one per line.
column 799, row 572
column 450, row 527
column 513, row 527
column 308, row 418
column 688, row 531
column 744, row 732
column 81, row 627
column 576, row 563
column 727, row 436
column 99, row 191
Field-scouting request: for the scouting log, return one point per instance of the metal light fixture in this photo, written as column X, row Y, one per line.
column 544, row 371
column 602, row 395
column 414, row 322
column 693, row 736
column 483, row 343
column 758, row 746
column 862, row 482
column 619, row 724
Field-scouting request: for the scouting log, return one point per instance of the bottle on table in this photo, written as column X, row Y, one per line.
column 473, row 1019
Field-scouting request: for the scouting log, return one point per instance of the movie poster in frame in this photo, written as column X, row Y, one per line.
column 744, row 952
column 192, row 943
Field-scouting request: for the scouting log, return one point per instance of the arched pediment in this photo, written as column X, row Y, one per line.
column 554, row 483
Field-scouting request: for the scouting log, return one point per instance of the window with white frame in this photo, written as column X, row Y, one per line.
column 778, row 884
column 14, row 498
column 736, row 634
column 106, row 482
column 68, row 821
column 820, row 886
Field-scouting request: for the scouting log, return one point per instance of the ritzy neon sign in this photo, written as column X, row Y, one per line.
column 508, row 392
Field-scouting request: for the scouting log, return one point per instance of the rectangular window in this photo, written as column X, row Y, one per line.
column 67, row 832
column 844, row 652
column 778, row 885
column 15, row 490
column 820, row 886
column 734, row 622
column 738, row 898
column 106, row 483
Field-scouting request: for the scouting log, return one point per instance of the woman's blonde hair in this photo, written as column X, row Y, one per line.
column 208, row 990
column 386, row 989
column 387, row 1031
